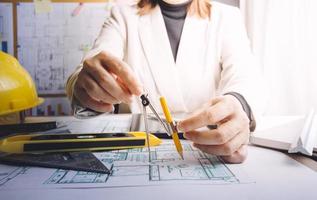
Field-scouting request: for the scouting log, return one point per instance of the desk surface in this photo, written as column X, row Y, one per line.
column 277, row 176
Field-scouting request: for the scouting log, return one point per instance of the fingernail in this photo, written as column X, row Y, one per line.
column 180, row 126
column 186, row 136
column 139, row 90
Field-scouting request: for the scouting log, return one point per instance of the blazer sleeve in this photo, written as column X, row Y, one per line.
column 240, row 70
column 111, row 39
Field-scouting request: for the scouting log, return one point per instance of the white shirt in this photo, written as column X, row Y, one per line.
column 214, row 57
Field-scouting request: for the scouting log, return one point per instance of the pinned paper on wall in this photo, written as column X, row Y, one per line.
column 6, row 28
column 51, row 45
column 1, row 26
column 42, row 6
column 77, row 10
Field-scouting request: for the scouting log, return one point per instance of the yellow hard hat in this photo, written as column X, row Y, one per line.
column 17, row 89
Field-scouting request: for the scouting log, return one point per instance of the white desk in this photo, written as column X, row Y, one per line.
column 277, row 176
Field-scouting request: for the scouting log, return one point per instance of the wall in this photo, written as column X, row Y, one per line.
column 229, row 2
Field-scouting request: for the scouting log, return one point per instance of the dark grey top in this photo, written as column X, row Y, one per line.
column 174, row 17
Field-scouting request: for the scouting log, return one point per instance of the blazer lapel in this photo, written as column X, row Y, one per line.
column 194, row 44
column 157, row 49
column 193, row 61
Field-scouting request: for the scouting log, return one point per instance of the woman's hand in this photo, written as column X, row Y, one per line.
column 105, row 80
column 232, row 134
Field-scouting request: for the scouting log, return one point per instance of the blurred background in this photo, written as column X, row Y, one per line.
column 49, row 38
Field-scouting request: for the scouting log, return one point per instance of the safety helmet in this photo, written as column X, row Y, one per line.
column 17, row 89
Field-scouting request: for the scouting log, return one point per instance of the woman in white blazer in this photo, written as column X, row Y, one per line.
column 203, row 65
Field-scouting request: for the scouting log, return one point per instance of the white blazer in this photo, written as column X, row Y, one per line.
column 213, row 58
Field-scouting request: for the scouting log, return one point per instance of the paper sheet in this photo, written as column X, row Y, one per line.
column 42, row 6
column 131, row 168
column 305, row 141
column 6, row 28
column 103, row 123
column 51, row 45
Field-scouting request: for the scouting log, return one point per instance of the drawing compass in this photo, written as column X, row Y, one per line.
column 146, row 103
column 169, row 128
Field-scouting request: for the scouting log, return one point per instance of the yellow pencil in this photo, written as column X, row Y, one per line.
column 169, row 120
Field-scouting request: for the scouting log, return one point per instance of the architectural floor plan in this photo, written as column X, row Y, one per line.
column 131, row 168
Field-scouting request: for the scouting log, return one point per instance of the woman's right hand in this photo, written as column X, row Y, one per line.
column 105, row 80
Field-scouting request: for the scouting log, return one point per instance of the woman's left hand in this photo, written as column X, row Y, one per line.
column 231, row 137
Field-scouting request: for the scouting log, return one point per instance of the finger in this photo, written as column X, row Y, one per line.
column 95, row 91
column 221, row 135
column 211, row 115
column 123, row 71
column 202, row 108
column 237, row 157
column 107, row 81
column 226, row 149
column 91, row 103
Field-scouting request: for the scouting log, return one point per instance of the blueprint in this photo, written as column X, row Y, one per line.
column 100, row 124
column 51, row 45
column 131, row 168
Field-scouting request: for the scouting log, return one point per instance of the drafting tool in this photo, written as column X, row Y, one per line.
column 172, row 127
column 79, row 161
column 154, row 126
column 9, row 129
column 146, row 103
column 31, row 143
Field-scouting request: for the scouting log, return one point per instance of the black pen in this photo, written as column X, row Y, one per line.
column 163, row 135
